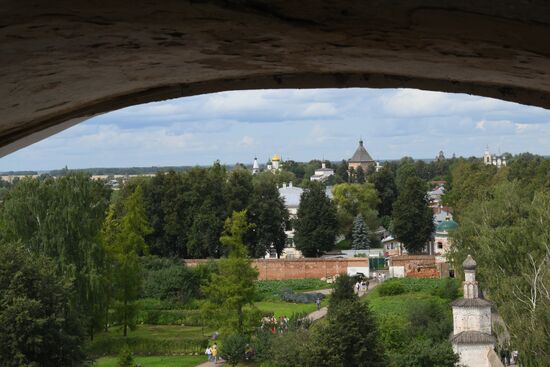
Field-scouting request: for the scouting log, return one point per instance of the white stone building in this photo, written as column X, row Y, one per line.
column 291, row 196
column 472, row 337
column 495, row 160
column 322, row 174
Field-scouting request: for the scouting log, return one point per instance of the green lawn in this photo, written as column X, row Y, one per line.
column 287, row 309
column 151, row 340
column 157, row 361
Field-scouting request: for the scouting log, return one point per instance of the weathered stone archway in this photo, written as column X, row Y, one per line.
column 64, row 61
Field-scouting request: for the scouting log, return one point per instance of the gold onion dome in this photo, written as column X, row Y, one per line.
column 275, row 158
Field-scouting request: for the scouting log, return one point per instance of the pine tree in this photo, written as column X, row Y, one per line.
column 350, row 335
column 231, row 292
column 360, row 234
column 126, row 244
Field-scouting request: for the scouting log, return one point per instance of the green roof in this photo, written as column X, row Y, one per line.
column 446, row 225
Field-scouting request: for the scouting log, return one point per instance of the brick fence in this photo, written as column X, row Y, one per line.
column 279, row 269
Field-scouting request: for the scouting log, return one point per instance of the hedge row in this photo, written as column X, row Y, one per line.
column 145, row 346
column 170, row 317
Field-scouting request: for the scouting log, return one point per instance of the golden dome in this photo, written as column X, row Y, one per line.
column 275, row 158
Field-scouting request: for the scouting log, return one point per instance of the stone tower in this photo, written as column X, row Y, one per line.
column 487, row 159
column 472, row 336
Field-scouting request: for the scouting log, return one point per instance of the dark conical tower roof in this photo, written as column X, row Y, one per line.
column 361, row 154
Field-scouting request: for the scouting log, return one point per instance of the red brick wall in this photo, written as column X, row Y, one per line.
column 279, row 269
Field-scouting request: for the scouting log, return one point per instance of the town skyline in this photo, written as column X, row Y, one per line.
column 300, row 125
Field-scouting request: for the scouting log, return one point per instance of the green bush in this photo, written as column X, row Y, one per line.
column 233, row 348
column 273, row 289
column 170, row 317
column 125, row 357
column 289, row 296
column 391, row 288
column 170, row 279
column 148, row 346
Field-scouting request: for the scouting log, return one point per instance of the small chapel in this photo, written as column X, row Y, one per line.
column 472, row 337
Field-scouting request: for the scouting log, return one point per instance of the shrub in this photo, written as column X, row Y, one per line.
column 170, row 317
column 447, row 288
column 170, row 279
column 125, row 357
column 288, row 350
column 391, row 288
column 147, row 346
column 290, row 296
column 262, row 345
column 273, row 289
column 233, row 348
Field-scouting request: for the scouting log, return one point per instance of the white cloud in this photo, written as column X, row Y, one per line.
column 319, row 109
column 247, row 141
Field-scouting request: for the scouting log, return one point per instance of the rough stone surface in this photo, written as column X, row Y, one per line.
column 64, row 61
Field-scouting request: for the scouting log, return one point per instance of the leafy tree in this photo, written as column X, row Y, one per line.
column 167, row 209
column 471, row 180
column 168, row 279
column 405, row 169
column 507, row 235
column 343, row 291
column 231, row 292
column 316, row 224
column 268, row 214
column 384, row 183
column 360, row 175
column 238, row 190
column 39, row 326
column 290, row 349
column 423, row 352
column 342, row 171
column 125, row 245
column 412, row 217
column 349, row 337
column 360, row 233
column 207, row 210
column 354, row 199
column 61, row 218
column 233, row 348
column 125, row 357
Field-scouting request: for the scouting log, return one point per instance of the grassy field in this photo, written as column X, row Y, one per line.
column 286, row 308
column 156, row 361
column 151, row 340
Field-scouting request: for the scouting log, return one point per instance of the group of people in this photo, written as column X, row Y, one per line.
column 361, row 286
column 212, row 353
column 508, row 358
column 275, row 326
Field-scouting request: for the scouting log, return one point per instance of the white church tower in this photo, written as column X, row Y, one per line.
column 487, row 156
column 255, row 167
column 472, row 336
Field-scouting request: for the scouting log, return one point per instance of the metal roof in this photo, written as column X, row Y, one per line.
column 361, row 154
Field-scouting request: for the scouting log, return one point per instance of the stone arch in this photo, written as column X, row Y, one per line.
column 66, row 61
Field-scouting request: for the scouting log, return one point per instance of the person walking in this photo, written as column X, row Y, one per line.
column 208, row 353
column 318, row 303
column 215, row 353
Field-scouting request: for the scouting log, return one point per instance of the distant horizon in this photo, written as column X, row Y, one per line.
column 162, row 167
column 237, row 126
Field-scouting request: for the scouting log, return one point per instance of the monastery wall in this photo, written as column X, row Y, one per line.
column 280, row 269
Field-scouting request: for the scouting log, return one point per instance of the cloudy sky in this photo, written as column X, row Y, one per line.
column 297, row 124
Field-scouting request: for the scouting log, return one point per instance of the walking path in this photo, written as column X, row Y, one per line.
column 314, row 316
